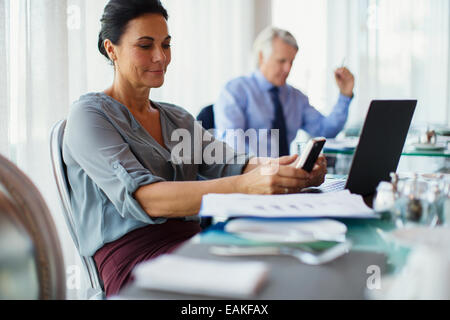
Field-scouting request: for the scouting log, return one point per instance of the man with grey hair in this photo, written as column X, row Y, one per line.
column 263, row 100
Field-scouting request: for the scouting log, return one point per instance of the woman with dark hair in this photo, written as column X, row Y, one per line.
column 132, row 199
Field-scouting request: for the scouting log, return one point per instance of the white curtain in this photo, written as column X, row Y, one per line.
column 39, row 97
column 396, row 49
column 51, row 58
column 4, row 107
column 212, row 43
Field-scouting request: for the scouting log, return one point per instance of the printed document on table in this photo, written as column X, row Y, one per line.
column 341, row 204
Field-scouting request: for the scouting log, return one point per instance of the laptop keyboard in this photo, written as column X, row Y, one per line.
column 333, row 185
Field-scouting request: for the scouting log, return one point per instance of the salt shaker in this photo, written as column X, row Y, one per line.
column 384, row 201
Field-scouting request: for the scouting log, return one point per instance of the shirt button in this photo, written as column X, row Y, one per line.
column 115, row 166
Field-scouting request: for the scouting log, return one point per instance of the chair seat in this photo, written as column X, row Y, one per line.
column 206, row 116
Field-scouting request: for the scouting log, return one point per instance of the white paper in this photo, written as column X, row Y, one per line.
column 282, row 231
column 341, row 204
column 341, row 144
column 203, row 277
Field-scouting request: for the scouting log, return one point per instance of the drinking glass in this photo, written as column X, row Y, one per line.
column 413, row 203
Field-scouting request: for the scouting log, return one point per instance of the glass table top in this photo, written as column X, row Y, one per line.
column 408, row 151
column 347, row 145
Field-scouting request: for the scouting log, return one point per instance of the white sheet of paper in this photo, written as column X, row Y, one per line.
column 203, row 277
column 349, row 143
column 341, row 204
column 285, row 231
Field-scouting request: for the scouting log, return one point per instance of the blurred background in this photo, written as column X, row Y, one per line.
column 49, row 57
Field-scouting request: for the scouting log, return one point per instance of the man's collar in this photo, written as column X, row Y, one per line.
column 263, row 83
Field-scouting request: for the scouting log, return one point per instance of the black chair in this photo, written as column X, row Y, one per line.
column 206, row 116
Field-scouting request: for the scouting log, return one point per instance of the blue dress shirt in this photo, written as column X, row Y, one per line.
column 245, row 103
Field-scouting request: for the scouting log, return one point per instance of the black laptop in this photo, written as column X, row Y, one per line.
column 380, row 146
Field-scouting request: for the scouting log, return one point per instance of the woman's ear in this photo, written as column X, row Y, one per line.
column 110, row 50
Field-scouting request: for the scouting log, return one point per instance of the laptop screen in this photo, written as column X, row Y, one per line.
column 381, row 144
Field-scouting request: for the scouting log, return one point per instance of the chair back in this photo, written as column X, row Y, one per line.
column 27, row 220
column 60, row 174
column 206, row 116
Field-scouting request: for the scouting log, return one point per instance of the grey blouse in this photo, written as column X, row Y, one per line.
column 109, row 156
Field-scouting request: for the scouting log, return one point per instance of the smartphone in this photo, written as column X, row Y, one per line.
column 311, row 153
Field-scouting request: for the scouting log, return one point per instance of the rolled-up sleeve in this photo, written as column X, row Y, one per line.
column 99, row 149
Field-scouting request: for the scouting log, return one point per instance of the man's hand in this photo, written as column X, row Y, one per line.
column 345, row 81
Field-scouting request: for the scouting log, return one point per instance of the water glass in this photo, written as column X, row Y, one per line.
column 412, row 203
column 421, row 200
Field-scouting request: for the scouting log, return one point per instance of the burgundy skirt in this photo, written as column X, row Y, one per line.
column 116, row 260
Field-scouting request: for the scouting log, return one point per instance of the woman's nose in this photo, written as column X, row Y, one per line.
column 159, row 55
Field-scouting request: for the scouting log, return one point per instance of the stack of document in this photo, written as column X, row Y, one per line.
column 174, row 273
column 334, row 205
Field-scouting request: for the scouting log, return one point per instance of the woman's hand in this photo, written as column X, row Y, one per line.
column 319, row 172
column 279, row 176
column 262, row 176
